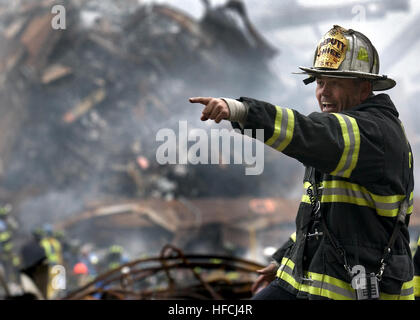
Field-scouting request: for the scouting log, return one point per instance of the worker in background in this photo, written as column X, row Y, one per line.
column 352, row 239
column 53, row 252
column 8, row 258
column 69, row 248
column 51, row 246
column 35, row 267
column 115, row 257
column 81, row 275
column 86, row 268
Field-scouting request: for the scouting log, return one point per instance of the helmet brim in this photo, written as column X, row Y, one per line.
column 380, row 82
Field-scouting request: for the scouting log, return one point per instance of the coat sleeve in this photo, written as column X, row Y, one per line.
column 279, row 254
column 348, row 144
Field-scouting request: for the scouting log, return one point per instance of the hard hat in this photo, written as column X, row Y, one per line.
column 38, row 233
column 80, row 268
column 343, row 53
column 115, row 249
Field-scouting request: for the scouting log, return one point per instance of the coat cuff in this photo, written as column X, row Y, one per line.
column 238, row 110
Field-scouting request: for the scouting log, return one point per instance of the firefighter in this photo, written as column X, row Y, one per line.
column 53, row 252
column 34, row 267
column 8, row 258
column 352, row 239
column 51, row 246
column 115, row 257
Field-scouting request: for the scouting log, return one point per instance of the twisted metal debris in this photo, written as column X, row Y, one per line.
column 216, row 277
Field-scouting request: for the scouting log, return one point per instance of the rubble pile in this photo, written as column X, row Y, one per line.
column 81, row 107
column 93, row 96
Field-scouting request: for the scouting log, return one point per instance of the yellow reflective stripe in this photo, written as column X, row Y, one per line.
column 288, row 262
column 355, row 155
column 4, row 236
column 359, row 202
column 410, row 202
column 333, row 288
column 407, row 292
column 216, row 261
column 418, row 242
column 322, row 285
column 330, row 280
column 289, row 130
column 330, row 287
column 46, row 246
column 277, row 126
column 52, row 248
column 293, row 236
column 285, row 262
column 409, row 159
column 351, row 137
column 385, row 296
column 312, row 290
column 113, row 265
column 347, row 192
column 345, row 134
column 416, row 286
column 16, row 261
column 284, row 125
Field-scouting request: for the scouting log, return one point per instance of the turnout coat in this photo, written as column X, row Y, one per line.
column 359, row 167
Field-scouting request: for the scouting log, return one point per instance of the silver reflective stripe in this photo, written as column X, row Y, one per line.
column 363, row 195
column 407, row 292
column 410, row 202
column 333, row 288
column 285, row 268
column 283, row 128
column 312, row 283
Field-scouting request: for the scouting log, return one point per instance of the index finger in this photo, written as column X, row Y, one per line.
column 202, row 100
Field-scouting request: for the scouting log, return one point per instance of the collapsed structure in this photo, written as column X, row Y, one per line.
column 82, row 107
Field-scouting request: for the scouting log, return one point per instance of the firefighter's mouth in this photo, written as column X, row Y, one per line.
column 329, row 107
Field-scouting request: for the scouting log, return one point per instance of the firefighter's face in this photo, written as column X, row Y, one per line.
column 339, row 94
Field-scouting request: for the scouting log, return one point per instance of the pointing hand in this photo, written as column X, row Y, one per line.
column 215, row 109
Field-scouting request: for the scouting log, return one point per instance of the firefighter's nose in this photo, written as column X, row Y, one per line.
column 325, row 91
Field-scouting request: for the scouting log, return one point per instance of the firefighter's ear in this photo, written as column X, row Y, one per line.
column 365, row 90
